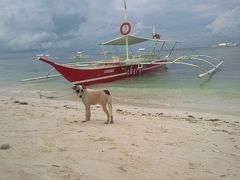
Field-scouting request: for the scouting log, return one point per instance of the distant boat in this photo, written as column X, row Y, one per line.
column 226, row 44
column 80, row 55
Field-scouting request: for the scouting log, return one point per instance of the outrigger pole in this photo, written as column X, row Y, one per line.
column 47, row 76
column 203, row 58
column 172, row 49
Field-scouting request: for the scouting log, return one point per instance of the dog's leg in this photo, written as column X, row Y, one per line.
column 88, row 113
column 106, row 111
column 110, row 108
column 111, row 122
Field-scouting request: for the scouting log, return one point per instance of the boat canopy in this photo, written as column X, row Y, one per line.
column 121, row 41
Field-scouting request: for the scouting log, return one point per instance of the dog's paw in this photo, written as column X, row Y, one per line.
column 85, row 121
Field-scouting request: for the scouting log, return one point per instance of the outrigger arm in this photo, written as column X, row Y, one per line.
column 47, row 76
column 202, row 58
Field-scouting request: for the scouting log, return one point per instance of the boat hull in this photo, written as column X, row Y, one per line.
column 107, row 73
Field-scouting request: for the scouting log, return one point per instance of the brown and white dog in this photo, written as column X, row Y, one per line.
column 92, row 97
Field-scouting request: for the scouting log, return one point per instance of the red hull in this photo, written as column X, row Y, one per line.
column 107, row 73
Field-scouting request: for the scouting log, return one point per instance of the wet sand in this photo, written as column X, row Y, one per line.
column 47, row 140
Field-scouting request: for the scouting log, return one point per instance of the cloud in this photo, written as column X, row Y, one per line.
column 68, row 26
column 226, row 24
column 39, row 24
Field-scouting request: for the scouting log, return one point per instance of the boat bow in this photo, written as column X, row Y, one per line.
column 46, row 60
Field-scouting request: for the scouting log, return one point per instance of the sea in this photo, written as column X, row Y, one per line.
column 177, row 88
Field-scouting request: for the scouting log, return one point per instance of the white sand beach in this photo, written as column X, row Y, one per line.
column 47, row 140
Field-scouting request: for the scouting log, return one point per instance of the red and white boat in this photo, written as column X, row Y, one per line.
column 106, row 71
column 127, row 65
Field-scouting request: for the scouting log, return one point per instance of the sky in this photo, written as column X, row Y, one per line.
column 68, row 26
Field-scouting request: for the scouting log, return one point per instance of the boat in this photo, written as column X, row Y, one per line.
column 89, row 73
column 226, row 44
column 126, row 65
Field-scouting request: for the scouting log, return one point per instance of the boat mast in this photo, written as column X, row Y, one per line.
column 125, row 10
column 155, row 43
column 125, row 18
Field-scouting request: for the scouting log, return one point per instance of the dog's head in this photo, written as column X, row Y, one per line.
column 79, row 89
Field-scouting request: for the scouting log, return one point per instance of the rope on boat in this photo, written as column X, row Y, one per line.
column 53, row 97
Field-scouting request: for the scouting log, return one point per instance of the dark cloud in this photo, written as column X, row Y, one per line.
column 226, row 24
column 73, row 25
column 64, row 25
column 39, row 25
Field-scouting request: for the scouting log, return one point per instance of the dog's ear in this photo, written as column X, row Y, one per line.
column 74, row 87
column 84, row 87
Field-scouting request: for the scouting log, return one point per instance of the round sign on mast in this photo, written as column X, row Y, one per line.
column 125, row 28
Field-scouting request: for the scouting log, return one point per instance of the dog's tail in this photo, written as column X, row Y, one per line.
column 110, row 106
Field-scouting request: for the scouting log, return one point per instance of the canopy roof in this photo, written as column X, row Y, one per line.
column 120, row 41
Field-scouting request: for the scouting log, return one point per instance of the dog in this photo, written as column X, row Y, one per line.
column 92, row 97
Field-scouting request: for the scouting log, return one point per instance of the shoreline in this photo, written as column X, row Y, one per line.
column 184, row 109
column 48, row 141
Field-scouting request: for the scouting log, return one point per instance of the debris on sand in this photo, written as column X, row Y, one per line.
column 20, row 102
column 5, row 146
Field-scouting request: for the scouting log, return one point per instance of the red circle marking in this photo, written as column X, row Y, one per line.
column 156, row 36
column 128, row 28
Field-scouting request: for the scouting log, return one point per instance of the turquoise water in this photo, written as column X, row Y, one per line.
column 177, row 88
